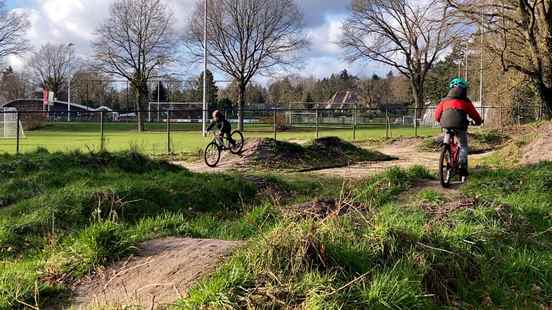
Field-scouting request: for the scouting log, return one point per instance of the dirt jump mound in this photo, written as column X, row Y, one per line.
column 160, row 273
column 317, row 154
column 539, row 149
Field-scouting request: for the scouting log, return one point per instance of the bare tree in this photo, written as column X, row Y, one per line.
column 12, row 84
column 52, row 65
column 89, row 87
column 13, row 28
column 134, row 43
column 408, row 35
column 246, row 37
column 519, row 34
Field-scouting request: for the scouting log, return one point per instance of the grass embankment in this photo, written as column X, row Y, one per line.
column 320, row 153
column 378, row 253
column 62, row 215
column 511, row 153
column 185, row 138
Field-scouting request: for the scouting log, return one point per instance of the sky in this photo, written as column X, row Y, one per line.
column 64, row 21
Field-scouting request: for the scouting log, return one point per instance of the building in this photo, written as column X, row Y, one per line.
column 34, row 110
column 343, row 100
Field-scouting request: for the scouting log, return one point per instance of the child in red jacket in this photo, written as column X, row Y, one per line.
column 452, row 113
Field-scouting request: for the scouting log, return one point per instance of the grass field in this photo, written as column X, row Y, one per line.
column 185, row 138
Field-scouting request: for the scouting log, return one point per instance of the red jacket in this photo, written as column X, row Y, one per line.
column 459, row 104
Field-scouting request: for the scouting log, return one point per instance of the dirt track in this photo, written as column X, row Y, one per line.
column 159, row 274
column 405, row 150
column 227, row 161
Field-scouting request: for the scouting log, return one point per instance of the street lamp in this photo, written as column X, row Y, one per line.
column 205, row 70
column 70, row 45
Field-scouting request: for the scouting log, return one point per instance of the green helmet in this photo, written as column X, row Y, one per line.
column 458, row 82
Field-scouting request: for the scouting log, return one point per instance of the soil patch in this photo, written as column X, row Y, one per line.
column 318, row 154
column 443, row 210
column 159, row 274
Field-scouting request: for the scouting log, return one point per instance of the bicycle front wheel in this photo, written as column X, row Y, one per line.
column 212, row 154
column 445, row 167
column 237, row 136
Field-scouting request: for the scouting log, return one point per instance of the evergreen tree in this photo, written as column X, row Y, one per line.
column 212, row 89
column 160, row 92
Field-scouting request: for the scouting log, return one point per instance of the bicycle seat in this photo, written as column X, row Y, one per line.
column 451, row 131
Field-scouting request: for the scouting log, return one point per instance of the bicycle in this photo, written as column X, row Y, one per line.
column 214, row 149
column 449, row 165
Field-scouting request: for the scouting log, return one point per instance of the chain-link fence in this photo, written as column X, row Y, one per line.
column 176, row 130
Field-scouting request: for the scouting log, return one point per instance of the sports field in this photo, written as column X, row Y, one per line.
column 185, row 138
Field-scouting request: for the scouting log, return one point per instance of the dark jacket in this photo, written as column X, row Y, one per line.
column 222, row 125
column 453, row 111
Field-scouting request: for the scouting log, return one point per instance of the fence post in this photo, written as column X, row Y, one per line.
column 354, row 122
column 317, row 123
column 17, row 134
column 416, row 121
column 274, row 125
column 290, row 112
column 168, row 131
column 386, row 123
column 101, row 130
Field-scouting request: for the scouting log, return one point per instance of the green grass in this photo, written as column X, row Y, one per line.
column 62, row 215
column 186, row 138
column 389, row 256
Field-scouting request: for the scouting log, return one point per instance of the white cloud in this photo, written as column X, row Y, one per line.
column 325, row 38
column 75, row 21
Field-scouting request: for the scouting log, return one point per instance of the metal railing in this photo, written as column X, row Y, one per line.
column 53, row 131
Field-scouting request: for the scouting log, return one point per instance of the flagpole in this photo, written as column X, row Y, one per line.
column 205, row 70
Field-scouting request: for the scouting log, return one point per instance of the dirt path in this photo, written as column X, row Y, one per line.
column 408, row 156
column 228, row 161
column 159, row 274
column 404, row 150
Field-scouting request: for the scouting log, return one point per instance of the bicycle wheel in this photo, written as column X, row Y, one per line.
column 212, row 154
column 237, row 136
column 445, row 167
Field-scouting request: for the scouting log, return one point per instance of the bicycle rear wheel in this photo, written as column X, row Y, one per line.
column 445, row 166
column 212, row 154
column 237, row 136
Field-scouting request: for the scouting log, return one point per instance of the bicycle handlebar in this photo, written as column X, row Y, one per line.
column 472, row 123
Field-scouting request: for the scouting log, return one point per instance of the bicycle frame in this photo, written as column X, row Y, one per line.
column 220, row 141
column 454, row 147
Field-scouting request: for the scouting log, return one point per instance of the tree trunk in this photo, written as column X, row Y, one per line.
column 545, row 94
column 418, row 95
column 241, row 103
column 143, row 95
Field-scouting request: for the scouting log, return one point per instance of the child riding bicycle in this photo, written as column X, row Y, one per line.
column 224, row 126
column 452, row 113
